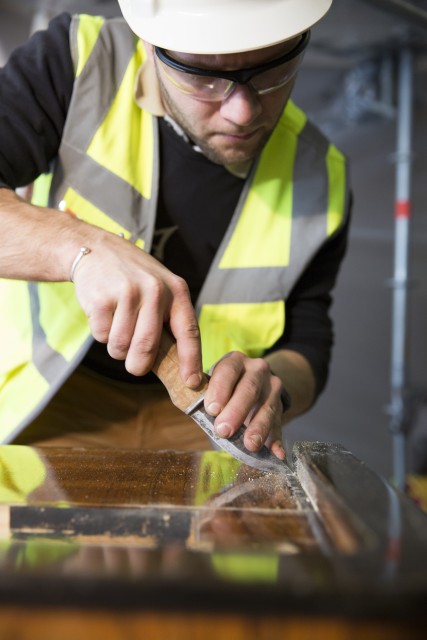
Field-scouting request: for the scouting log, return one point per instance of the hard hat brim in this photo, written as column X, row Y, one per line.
column 221, row 27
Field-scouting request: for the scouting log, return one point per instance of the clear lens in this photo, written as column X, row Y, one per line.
column 276, row 77
column 212, row 88
column 201, row 87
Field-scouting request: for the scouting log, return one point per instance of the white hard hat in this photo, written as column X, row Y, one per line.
column 220, row 26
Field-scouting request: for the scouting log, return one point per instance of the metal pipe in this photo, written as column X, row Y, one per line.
column 414, row 15
column 398, row 410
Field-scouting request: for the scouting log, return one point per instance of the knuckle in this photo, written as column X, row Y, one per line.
column 276, row 384
column 117, row 346
column 261, row 366
column 251, row 387
column 256, row 434
column 233, row 360
column 272, row 413
column 281, row 401
column 156, row 289
column 130, row 295
column 264, row 419
column 144, row 346
column 192, row 330
column 140, row 355
column 179, row 287
column 100, row 323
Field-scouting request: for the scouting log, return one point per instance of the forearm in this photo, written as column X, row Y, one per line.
column 297, row 377
column 39, row 244
column 125, row 293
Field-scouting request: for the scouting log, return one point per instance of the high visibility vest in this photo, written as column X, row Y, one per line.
column 23, row 471
column 107, row 173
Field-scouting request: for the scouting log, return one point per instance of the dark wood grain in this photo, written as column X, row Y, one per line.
column 200, row 500
column 123, row 544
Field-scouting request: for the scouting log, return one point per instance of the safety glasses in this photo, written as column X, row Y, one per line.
column 211, row 85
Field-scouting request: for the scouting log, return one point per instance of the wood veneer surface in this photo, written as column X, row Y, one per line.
column 200, row 500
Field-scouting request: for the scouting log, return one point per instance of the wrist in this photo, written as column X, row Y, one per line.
column 83, row 251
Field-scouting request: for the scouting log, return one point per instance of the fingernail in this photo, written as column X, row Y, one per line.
column 256, row 440
column 223, row 430
column 213, row 409
column 194, row 380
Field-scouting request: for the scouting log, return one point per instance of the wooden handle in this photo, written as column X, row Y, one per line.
column 166, row 368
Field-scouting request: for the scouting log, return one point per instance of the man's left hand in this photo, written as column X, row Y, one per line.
column 244, row 390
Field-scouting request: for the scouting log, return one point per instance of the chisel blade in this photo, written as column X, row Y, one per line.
column 191, row 402
column 263, row 459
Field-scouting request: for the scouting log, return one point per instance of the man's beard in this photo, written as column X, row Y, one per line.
column 208, row 151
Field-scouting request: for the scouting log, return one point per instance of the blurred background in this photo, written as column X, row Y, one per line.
column 363, row 81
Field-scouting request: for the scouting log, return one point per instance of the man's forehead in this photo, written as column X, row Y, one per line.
column 235, row 60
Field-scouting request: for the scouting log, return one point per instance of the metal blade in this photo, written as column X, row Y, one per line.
column 262, row 459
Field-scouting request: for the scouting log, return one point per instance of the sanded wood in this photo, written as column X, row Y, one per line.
column 200, row 500
column 125, row 544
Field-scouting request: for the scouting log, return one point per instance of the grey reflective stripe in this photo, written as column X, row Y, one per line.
column 309, row 226
column 99, row 82
column 224, row 286
column 94, row 92
column 309, row 231
column 217, row 285
column 310, row 156
column 239, row 285
column 53, row 389
column 47, row 361
column 105, row 190
column 50, row 364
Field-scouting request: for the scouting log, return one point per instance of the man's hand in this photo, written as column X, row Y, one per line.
column 243, row 390
column 128, row 296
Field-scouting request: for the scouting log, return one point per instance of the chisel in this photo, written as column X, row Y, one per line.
column 166, row 368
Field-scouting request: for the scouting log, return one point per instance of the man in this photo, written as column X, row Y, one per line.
column 186, row 190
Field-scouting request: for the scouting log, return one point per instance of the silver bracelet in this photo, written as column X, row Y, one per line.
column 82, row 252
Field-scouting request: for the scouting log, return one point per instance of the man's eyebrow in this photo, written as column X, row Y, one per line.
column 288, row 45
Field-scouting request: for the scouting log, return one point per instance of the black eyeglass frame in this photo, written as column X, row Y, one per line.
column 241, row 76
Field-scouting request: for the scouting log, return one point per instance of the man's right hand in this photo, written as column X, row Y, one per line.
column 127, row 296
column 125, row 293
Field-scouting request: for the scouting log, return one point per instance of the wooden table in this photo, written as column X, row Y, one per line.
column 122, row 544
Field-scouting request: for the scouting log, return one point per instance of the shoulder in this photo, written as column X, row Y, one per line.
column 296, row 122
column 111, row 31
column 103, row 38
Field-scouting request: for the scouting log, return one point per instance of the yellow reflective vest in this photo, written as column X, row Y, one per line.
column 107, row 173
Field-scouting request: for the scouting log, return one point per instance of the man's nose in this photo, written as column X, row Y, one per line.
column 242, row 106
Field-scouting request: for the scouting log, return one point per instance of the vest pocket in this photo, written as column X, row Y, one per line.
column 247, row 327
